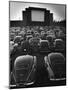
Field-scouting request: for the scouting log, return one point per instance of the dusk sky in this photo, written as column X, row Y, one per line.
column 16, row 9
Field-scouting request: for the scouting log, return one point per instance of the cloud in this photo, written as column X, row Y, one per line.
column 17, row 7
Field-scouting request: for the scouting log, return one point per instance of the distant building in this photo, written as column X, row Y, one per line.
column 16, row 23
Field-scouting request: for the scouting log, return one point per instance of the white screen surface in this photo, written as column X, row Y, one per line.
column 37, row 15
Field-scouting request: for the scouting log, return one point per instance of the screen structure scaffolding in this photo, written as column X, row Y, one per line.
column 37, row 16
